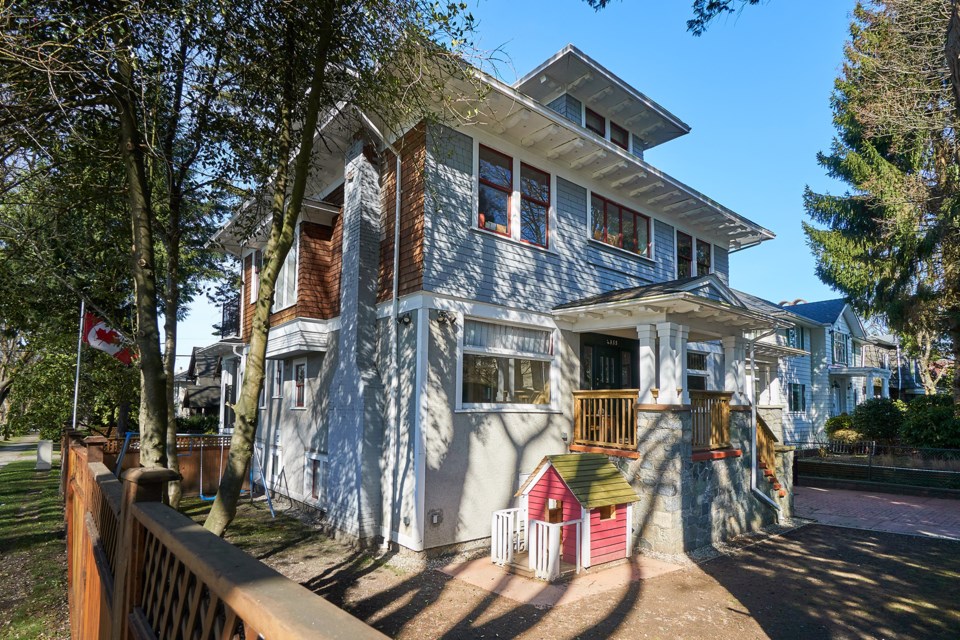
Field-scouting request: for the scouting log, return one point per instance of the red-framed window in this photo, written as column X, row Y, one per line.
column 619, row 136
column 703, row 257
column 300, row 382
column 619, row 226
column 534, row 206
column 684, row 255
column 495, row 189
column 595, row 122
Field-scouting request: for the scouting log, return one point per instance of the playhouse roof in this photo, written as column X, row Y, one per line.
column 591, row 477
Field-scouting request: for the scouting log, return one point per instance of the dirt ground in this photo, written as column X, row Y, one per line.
column 812, row 582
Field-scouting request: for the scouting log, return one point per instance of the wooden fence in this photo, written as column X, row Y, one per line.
column 605, row 418
column 711, row 419
column 137, row 569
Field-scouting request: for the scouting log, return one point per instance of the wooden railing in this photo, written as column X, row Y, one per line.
column 606, row 418
column 766, row 442
column 711, row 419
column 138, row 569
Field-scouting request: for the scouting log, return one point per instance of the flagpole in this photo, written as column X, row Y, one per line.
column 76, row 380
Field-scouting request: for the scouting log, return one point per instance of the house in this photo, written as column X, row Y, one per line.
column 534, row 288
column 200, row 383
column 842, row 367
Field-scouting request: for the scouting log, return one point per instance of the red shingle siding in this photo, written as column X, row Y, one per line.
column 245, row 299
column 412, row 149
column 318, row 285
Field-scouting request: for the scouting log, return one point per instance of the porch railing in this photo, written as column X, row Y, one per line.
column 765, row 445
column 711, row 419
column 508, row 533
column 546, row 552
column 606, row 418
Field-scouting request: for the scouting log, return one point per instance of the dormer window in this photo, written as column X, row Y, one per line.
column 703, row 257
column 595, row 122
column 619, row 136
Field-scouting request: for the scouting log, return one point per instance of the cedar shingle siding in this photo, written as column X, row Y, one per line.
column 413, row 153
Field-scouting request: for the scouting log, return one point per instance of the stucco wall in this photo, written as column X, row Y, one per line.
column 474, row 459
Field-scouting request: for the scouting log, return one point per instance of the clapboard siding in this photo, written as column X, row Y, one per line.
column 797, row 426
column 608, row 538
column 552, row 486
column 721, row 264
column 463, row 261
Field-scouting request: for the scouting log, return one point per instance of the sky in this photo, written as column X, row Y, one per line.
column 755, row 90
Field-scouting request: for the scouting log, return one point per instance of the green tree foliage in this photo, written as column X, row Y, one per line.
column 879, row 419
column 892, row 244
column 930, row 422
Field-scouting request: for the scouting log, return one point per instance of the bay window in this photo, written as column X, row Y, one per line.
column 620, row 227
column 506, row 365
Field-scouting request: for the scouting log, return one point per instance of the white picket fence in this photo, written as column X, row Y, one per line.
column 508, row 532
column 544, row 546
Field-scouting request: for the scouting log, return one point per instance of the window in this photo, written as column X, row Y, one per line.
column 619, row 136
column 684, row 255
column 696, row 361
column 608, row 512
column 697, row 383
column 703, row 257
column 299, row 385
column 278, row 379
column 256, row 263
column 315, row 476
column 534, row 205
column 276, row 461
column 495, row 188
column 262, row 399
column 285, row 292
column 620, row 227
column 795, row 338
column 595, row 122
column 797, row 397
column 503, row 364
column 841, row 348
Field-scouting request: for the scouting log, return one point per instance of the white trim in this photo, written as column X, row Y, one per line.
column 532, row 482
column 321, row 500
column 585, row 556
column 277, row 391
column 630, row 538
column 295, row 248
column 419, row 435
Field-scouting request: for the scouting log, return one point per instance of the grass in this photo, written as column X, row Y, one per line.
column 33, row 578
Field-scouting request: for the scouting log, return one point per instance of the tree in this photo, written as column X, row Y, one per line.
column 299, row 61
column 892, row 245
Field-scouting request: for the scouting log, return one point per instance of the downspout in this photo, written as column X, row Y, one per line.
column 753, row 428
column 394, row 330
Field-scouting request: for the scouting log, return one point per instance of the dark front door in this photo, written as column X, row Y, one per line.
column 607, row 362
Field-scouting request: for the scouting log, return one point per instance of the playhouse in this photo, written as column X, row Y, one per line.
column 583, row 496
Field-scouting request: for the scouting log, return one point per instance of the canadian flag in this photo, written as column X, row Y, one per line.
column 99, row 335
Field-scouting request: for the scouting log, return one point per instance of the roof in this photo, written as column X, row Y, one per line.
column 591, row 477
column 682, row 285
column 824, row 312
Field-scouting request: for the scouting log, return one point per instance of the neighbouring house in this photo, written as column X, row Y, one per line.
column 200, row 383
column 535, row 288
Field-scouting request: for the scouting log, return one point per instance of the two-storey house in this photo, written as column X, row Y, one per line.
column 468, row 298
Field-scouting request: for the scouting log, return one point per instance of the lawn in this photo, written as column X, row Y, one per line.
column 33, row 578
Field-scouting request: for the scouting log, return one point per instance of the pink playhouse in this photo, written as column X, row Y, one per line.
column 575, row 511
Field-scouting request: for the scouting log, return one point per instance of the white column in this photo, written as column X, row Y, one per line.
column 885, row 386
column 869, row 392
column 673, row 363
column 735, row 368
column 647, row 362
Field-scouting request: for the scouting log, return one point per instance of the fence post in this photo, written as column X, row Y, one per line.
column 139, row 485
column 873, row 446
column 94, row 448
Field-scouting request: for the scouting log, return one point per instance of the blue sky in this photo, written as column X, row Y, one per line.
column 755, row 90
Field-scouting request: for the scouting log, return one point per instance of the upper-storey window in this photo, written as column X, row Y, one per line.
column 595, row 122
column 495, row 189
column 499, row 193
column 618, row 226
column 795, row 337
column 534, row 205
column 703, row 257
column 684, row 255
column 619, row 136
column 841, row 348
column 285, row 292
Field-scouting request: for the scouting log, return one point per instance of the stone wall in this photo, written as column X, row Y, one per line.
column 685, row 505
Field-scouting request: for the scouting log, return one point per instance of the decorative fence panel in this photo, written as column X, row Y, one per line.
column 139, row 569
column 507, row 531
column 711, row 419
column 606, row 418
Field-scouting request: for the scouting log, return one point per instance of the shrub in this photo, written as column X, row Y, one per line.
column 931, row 422
column 846, row 436
column 842, row 422
column 878, row 419
column 198, row 424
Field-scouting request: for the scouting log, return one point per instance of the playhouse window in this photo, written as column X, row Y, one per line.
column 608, row 512
column 503, row 364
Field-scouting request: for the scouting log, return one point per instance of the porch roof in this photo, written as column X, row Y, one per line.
column 843, row 370
column 704, row 303
column 591, row 477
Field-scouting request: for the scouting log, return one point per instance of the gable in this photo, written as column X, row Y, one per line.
column 592, row 479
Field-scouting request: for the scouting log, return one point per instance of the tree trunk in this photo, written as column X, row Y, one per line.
column 955, row 347
column 951, row 50
column 153, row 400
column 284, row 216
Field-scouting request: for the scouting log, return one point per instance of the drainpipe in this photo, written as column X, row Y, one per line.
column 753, row 428
column 394, row 328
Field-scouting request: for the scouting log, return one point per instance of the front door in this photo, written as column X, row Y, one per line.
column 607, row 362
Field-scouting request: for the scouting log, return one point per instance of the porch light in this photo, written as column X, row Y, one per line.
column 445, row 317
column 404, row 319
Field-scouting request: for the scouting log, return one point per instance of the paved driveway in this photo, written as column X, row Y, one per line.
column 935, row 517
column 18, row 449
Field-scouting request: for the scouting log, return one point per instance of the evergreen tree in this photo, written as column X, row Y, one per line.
column 891, row 243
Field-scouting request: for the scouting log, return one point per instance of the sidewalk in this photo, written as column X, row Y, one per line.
column 873, row 511
column 23, row 448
